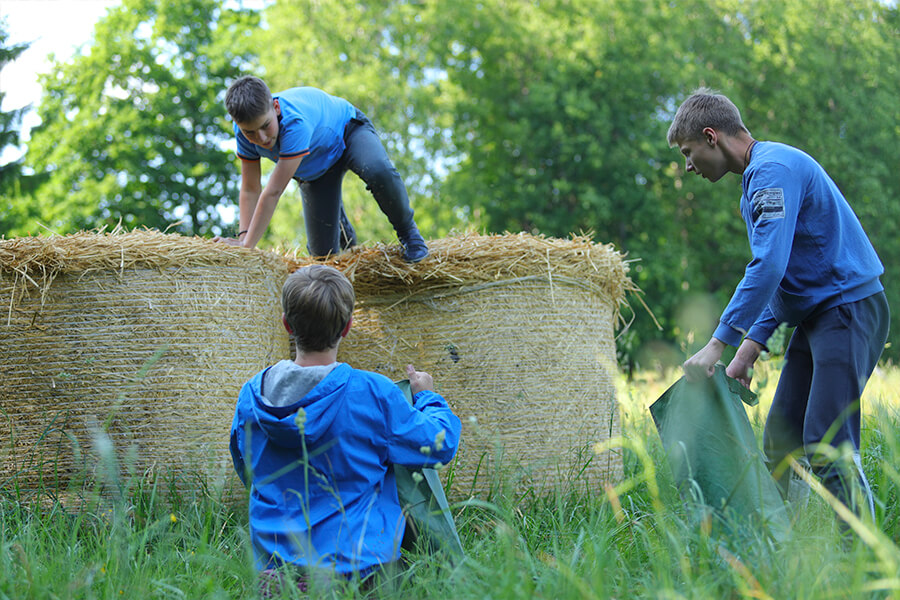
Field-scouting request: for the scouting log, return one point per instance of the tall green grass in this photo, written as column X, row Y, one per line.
column 151, row 539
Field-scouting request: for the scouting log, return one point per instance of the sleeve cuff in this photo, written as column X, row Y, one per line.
column 760, row 335
column 728, row 334
column 293, row 155
column 426, row 398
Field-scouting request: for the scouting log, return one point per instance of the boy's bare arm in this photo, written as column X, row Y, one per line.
column 247, row 199
column 251, row 188
column 262, row 214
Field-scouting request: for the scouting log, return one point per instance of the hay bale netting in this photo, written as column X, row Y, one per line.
column 518, row 332
column 144, row 336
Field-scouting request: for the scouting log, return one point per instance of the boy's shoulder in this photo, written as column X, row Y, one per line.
column 299, row 99
column 254, row 384
column 298, row 92
column 372, row 377
column 377, row 385
column 779, row 153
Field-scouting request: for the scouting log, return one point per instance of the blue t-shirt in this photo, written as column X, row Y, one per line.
column 311, row 125
column 810, row 252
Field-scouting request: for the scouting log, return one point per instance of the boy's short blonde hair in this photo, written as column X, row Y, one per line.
column 247, row 99
column 704, row 108
column 318, row 303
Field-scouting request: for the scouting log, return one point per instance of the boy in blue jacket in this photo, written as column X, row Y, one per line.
column 314, row 440
column 314, row 138
column 813, row 268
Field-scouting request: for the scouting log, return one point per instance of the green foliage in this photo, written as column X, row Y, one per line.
column 13, row 182
column 148, row 544
column 132, row 128
column 550, row 117
column 559, row 123
column 826, row 78
column 10, row 121
column 145, row 538
column 500, row 115
column 370, row 53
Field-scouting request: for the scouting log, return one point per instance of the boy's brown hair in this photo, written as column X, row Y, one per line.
column 318, row 303
column 247, row 99
column 704, row 108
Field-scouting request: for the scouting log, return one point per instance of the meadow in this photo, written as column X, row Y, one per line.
column 638, row 540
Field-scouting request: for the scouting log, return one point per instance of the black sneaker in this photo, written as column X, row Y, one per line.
column 414, row 248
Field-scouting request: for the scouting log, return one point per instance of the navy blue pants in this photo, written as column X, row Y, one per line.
column 827, row 364
column 328, row 231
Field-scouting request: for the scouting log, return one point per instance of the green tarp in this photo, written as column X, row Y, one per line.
column 429, row 522
column 713, row 452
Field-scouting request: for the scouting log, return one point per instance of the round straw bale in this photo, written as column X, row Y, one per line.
column 517, row 331
column 137, row 338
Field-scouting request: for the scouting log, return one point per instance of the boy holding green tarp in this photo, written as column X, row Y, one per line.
column 315, row 440
column 814, row 269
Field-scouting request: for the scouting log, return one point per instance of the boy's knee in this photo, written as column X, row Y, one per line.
column 381, row 173
column 320, row 249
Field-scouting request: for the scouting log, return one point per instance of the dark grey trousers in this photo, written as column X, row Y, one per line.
column 328, row 231
column 827, row 364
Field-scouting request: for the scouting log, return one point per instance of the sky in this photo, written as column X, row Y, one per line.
column 56, row 27
column 50, row 26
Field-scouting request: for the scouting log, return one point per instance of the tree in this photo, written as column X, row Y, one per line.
column 372, row 53
column 133, row 128
column 825, row 77
column 559, row 121
column 10, row 122
column 17, row 206
column 551, row 117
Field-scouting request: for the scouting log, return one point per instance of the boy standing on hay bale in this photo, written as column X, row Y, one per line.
column 314, row 440
column 813, row 268
column 314, row 138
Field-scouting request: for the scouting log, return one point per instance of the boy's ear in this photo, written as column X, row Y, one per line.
column 277, row 107
column 285, row 323
column 347, row 328
column 710, row 135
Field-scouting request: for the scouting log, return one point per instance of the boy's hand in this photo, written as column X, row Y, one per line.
column 703, row 364
column 741, row 366
column 227, row 240
column 418, row 380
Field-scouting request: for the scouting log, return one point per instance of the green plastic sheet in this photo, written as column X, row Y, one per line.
column 429, row 521
column 715, row 459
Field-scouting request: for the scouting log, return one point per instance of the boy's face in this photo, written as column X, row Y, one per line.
column 705, row 156
column 263, row 131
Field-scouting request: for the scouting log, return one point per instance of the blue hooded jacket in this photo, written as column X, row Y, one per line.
column 322, row 493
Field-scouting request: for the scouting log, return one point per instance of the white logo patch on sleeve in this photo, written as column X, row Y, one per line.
column 767, row 203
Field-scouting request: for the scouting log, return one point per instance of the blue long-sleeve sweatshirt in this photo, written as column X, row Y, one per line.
column 321, row 491
column 810, row 252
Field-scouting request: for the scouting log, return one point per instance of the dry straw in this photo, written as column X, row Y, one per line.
column 470, row 259
column 137, row 337
column 518, row 332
